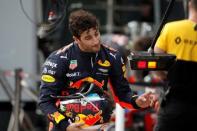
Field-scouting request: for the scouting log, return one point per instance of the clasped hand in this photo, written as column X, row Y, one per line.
column 147, row 100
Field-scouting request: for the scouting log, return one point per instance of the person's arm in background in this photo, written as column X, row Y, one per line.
column 161, row 47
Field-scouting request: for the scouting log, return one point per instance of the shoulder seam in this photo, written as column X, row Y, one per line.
column 110, row 48
column 63, row 49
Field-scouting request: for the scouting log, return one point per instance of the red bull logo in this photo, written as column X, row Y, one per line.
column 106, row 63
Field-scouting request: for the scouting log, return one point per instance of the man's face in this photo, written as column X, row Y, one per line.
column 89, row 40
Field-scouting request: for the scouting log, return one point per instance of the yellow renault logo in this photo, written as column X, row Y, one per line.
column 48, row 78
column 105, row 63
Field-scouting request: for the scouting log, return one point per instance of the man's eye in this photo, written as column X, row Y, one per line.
column 88, row 37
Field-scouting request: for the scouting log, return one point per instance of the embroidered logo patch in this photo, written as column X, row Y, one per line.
column 57, row 117
column 106, row 63
column 48, row 78
column 73, row 64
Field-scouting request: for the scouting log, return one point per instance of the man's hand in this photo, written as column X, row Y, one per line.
column 147, row 100
column 77, row 127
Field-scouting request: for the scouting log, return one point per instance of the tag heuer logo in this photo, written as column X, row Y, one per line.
column 73, row 64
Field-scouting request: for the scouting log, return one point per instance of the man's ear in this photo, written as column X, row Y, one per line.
column 75, row 39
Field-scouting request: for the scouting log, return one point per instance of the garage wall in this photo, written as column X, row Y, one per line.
column 18, row 41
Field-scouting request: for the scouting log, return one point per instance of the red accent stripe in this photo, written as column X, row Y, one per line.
column 122, row 104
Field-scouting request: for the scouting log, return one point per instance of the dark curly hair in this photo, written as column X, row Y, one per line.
column 80, row 21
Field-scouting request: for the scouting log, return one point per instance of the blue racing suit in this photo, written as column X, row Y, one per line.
column 65, row 68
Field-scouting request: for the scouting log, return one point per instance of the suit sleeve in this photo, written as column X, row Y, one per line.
column 52, row 81
column 119, row 85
